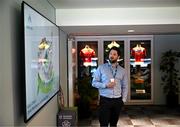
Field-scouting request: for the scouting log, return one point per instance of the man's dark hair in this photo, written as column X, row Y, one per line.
column 117, row 49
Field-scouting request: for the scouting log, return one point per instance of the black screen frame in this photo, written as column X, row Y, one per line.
column 26, row 119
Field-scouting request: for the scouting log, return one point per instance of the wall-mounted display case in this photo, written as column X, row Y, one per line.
column 140, row 69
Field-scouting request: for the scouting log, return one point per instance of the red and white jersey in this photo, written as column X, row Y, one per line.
column 87, row 54
column 138, row 53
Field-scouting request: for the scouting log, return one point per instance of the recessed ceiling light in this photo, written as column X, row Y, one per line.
column 131, row 31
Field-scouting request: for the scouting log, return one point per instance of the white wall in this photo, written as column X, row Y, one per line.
column 11, row 109
column 6, row 94
column 162, row 43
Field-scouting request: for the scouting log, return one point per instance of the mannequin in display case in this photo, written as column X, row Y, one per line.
column 112, row 44
column 138, row 53
column 87, row 54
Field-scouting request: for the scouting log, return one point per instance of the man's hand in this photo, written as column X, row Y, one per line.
column 111, row 85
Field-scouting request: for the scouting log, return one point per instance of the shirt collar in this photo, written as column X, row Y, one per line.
column 109, row 64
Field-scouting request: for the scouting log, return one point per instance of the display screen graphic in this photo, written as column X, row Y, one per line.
column 41, row 56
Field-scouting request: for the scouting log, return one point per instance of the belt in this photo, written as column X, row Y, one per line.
column 107, row 98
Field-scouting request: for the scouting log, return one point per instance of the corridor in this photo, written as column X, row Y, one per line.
column 143, row 116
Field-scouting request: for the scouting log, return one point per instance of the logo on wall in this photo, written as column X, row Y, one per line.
column 66, row 123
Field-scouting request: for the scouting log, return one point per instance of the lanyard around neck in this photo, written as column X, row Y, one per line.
column 114, row 73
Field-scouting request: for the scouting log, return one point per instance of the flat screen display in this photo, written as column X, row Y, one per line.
column 41, row 57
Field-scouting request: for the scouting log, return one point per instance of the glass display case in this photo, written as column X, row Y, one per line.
column 140, row 69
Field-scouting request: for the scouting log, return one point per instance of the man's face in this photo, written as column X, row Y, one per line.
column 113, row 56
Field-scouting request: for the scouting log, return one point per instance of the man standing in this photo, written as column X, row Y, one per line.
column 111, row 81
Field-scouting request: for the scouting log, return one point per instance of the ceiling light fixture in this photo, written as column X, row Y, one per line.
column 131, row 31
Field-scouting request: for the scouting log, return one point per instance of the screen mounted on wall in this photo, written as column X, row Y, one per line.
column 41, row 56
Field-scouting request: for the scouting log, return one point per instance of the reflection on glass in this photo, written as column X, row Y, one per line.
column 114, row 43
column 140, row 69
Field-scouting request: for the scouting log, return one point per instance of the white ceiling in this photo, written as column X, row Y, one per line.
column 122, row 29
column 69, row 4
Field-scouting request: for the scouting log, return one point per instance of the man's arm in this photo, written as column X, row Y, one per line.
column 124, row 87
column 96, row 82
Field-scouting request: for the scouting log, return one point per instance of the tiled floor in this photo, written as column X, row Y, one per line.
column 144, row 116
